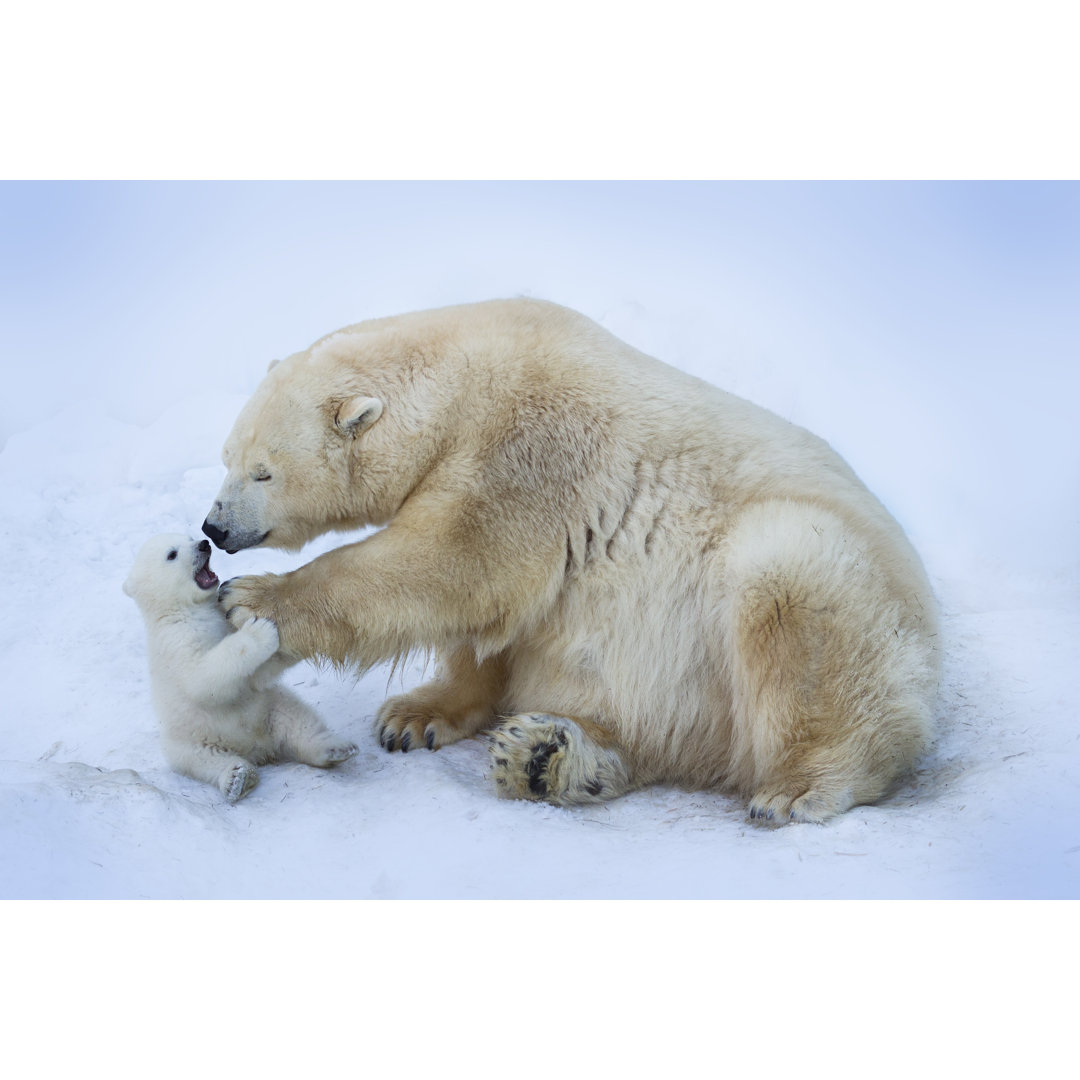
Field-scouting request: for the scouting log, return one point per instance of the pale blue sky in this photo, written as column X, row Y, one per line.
column 930, row 331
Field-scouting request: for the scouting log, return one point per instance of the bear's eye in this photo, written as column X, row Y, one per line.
column 171, row 555
column 261, row 477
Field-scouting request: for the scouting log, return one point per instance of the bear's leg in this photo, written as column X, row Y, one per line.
column 456, row 705
column 231, row 774
column 298, row 734
column 557, row 759
column 830, row 672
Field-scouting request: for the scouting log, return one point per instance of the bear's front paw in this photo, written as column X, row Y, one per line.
column 240, row 599
column 239, row 616
column 421, row 718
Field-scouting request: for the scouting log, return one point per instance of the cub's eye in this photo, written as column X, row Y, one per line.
column 171, row 555
column 262, row 476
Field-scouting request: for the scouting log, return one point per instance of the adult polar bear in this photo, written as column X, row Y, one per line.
column 632, row 576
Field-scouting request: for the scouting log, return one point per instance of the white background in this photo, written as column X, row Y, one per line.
column 929, row 333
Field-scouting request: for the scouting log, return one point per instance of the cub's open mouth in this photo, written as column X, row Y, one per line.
column 205, row 578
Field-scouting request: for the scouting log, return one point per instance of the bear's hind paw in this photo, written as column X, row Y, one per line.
column 782, row 806
column 550, row 758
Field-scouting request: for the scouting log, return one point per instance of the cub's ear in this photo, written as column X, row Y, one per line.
column 357, row 415
column 128, row 589
column 273, row 364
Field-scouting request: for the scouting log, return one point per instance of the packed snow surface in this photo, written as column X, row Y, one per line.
column 929, row 332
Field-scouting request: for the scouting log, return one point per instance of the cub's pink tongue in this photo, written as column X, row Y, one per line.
column 206, row 578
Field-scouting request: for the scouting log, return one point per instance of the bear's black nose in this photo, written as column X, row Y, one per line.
column 204, row 545
column 215, row 533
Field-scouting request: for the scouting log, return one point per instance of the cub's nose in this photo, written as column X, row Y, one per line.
column 204, row 545
column 215, row 534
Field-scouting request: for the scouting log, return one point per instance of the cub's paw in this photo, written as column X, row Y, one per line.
column 541, row 757
column 335, row 754
column 238, row 781
column 263, row 635
column 405, row 723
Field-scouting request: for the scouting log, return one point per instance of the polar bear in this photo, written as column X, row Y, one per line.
column 628, row 576
column 213, row 691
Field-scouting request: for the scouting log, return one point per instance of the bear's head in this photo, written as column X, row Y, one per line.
column 171, row 572
column 315, row 450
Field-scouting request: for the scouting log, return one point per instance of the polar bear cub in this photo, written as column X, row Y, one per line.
column 213, row 688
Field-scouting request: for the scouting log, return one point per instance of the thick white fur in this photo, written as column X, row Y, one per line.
column 213, row 691
column 656, row 581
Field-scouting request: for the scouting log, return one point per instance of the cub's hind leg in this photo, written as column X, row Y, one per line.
column 299, row 734
column 557, row 759
column 233, row 775
column 457, row 704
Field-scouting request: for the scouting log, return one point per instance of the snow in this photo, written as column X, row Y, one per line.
column 930, row 332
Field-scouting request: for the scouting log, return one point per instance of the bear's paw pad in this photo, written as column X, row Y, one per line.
column 529, row 755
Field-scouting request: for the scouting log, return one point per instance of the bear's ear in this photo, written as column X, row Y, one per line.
column 128, row 588
column 273, row 364
column 357, row 415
